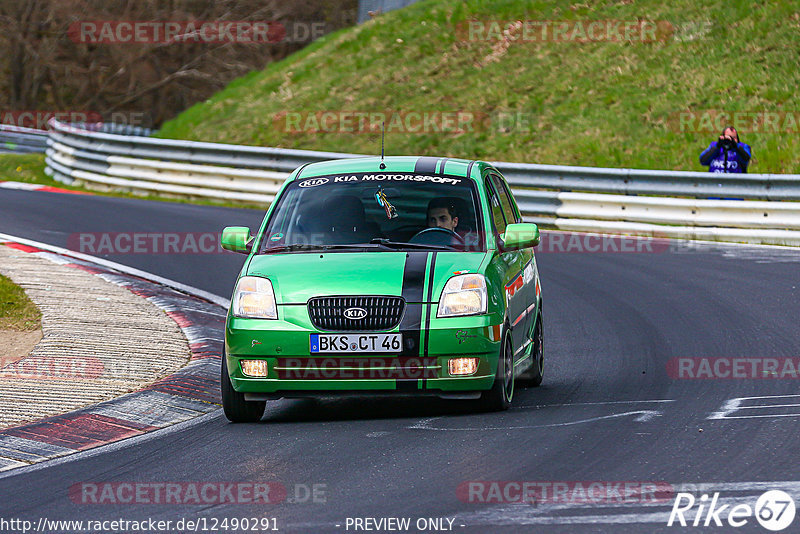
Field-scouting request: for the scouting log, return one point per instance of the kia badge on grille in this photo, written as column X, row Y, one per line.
column 355, row 313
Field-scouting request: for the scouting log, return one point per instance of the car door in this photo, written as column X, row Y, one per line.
column 507, row 263
column 527, row 265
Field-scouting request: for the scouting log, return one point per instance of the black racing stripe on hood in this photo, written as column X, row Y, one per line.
column 426, row 165
column 414, row 276
column 413, row 286
column 429, row 300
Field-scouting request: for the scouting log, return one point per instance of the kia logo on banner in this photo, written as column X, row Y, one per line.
column 313, row 182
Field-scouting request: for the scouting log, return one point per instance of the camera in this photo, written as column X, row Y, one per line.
column 727, row 144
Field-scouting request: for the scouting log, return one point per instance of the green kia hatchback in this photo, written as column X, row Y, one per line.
column 408, row 275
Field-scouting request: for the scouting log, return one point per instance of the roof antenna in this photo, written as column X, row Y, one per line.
column 383, row 133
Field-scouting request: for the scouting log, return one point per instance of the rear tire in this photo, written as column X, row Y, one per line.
column 502, row 393
column 236, row 409
column 533, row 376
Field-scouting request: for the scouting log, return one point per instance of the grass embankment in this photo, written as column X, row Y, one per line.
column 610, row 104
column 17, row 312
column 28, row 168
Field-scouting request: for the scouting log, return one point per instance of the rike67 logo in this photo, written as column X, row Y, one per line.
column 774, row 510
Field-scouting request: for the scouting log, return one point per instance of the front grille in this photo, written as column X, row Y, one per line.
column 382, row 313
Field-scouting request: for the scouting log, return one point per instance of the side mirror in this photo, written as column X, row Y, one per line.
column 237, row 239
column 520, row 235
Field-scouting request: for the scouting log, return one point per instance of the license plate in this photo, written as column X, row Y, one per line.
column 354, row 343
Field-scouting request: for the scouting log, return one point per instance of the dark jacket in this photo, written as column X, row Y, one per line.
column 719, row 160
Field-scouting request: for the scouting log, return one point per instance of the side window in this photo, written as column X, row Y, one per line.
column 505, row 199
column 496, row 207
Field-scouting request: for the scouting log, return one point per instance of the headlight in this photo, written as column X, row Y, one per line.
column 254, row 298
column 463, row 295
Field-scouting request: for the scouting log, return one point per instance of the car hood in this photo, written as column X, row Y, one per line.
column 296, row 277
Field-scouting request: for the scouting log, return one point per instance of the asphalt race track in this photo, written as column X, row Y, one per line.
column 611, row 409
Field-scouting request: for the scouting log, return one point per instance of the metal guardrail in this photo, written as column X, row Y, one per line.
column 113, row 128
column 652, row 182
column 19, row 140
column 186, row 168
column 757, row 208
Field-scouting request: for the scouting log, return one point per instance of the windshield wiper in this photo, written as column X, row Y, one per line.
column 305, row 246
column 401, row 244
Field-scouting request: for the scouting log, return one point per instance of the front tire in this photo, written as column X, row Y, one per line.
column 502, row 393
column 236, row 409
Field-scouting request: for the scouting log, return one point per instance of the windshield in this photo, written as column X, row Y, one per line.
column 376, row 211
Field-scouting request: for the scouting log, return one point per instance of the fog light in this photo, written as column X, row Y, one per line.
column 254, row 367
column 463, row 366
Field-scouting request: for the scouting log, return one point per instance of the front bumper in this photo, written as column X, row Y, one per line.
column 292, row 369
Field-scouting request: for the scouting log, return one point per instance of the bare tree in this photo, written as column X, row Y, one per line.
column 46, row 64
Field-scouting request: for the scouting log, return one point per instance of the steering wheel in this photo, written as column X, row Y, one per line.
column 436, row 231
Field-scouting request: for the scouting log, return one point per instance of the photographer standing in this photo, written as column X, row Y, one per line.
column 727, row 154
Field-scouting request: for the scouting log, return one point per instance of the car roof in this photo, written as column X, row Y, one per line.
column 416, row 164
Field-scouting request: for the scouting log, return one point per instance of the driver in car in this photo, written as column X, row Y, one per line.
column 442, row 213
